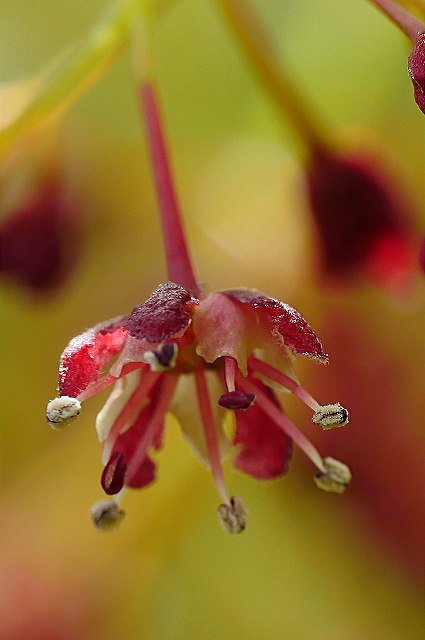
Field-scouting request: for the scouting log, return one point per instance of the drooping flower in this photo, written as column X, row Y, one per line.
column 195, row 358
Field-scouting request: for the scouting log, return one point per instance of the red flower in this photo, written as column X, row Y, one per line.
column 195, row 358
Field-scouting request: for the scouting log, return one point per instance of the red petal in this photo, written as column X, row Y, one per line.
column 163, row 315
column 127, row 442
column 296, row 333
column 265, row 449
column 87, row 354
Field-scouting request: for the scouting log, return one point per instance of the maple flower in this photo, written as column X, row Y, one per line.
column 195, row 357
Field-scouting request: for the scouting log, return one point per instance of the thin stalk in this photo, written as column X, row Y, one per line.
column 404, row 20
column 210, row 432
column 261, row 52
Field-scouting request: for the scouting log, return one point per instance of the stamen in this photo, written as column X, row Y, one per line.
column 283, row 422
column 106, row 514
column 168, row 386
column 60, row 411
column 235, row 400
column 232, row 517
column 162, row 359
column 208, row 423
column 230, row 367
column 330, row 416
column 336, row 476
column 97, row 386
column 284, row 380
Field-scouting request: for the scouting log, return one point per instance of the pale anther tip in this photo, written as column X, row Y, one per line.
column 336, row 476
column 60, row 411
column 330, row 416
column 233, row 515
column 106, row 514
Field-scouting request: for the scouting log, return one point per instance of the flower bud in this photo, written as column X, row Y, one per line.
column 232, row 517
column 330, row 416
column 60, row 411
column 416, row 67
column 336, row 476
column 106, row 514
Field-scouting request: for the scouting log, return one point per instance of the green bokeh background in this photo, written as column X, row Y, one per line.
column 310, row 566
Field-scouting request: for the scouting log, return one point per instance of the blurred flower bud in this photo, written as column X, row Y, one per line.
column 38, row 236
column 416, row 67
column 361, row 220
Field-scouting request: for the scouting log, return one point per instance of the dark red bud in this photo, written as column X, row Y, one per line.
column 416, row 66
column 38, row 240
column 357, row 210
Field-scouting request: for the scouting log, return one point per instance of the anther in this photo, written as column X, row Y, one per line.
column 232, row 516
column 236, row 400
column 330, row 416
column 162, row 359
column 336, row 476
column 62, row 410
column 106, row 514
column 113, row 475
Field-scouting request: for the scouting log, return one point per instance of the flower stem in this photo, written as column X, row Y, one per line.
column 74, row 72
column 260, row 50
column 179, row 265
column 404, row 20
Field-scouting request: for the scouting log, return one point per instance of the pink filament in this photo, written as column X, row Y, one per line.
column 285, row 381
column 283, row 422
column 210, row 432
column 230, row 372
column 107, row 380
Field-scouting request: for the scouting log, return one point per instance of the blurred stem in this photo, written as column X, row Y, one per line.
column 63, row 81
column 416, row 5
column 179, row 265
column 404, row 20
column 260, row 50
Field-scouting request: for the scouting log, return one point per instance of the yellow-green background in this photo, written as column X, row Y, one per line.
column 310, row 566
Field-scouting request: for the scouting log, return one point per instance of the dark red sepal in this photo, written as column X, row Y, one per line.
column 163, row 315
column 264, row 449
column 113, row 475
column 235, row 400
column 296, row 333
column 86, row 355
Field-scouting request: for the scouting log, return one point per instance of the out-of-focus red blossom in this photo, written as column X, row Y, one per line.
column 34, row 607
column 384, row 444
column 39, row 239
column 416, row 67
column 171, row 353
column 363, row 221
